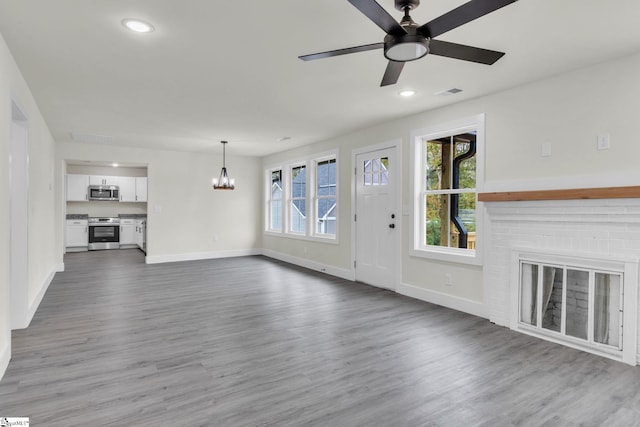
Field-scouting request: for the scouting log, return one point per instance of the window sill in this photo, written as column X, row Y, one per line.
column 330, row 240
column 471, row 257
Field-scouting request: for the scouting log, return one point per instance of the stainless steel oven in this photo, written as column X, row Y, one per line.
column 104, row 233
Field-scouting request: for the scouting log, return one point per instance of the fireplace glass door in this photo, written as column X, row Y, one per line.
column 578, row 303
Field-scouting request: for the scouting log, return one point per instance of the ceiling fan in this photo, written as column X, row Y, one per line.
column 406, row 41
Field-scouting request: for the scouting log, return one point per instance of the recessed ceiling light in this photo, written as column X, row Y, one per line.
column 115, row 165
column 407, row 93
column 137, row 25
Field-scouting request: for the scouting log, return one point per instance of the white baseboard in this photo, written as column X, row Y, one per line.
column 311, row 265
column 5, row 356
column 33, row 307
column 195, row 256
column 445, row 300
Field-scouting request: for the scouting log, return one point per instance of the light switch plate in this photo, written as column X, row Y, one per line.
column 604, row 141
column 545, row 149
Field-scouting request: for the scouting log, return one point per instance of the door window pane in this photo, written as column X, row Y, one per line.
column 376, row 171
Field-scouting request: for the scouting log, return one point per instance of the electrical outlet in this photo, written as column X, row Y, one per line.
column 448, row 280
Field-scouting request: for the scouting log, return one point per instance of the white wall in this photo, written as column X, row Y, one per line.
column 186, row 218
column 42, row 251
column 568, row 111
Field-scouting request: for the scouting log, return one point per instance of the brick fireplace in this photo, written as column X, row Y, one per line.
column 582, row 242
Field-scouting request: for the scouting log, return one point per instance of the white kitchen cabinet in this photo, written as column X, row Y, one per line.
column 77, row 188
column 141, row 189
column 127, row 232
column 127, row 188
column 103, row 180
column 77, row 234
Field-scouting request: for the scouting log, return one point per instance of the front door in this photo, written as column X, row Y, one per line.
column 376, row 218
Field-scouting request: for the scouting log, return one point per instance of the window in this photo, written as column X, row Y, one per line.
column 298, row 200
column 326, row 203
column 301, row 199
column 275, row 201
column 450, row 193
column 446, row 176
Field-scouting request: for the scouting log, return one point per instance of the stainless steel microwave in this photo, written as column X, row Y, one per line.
column 104, row 192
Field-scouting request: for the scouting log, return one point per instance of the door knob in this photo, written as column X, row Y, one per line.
column 392, row 226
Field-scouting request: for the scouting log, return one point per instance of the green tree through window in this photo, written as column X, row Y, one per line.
column 450, row 191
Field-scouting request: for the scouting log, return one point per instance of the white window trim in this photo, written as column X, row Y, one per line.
column 418, row 249
column 314, row 196
column 310, row 163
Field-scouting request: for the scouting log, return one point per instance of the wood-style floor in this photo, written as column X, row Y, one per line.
column 255, row 342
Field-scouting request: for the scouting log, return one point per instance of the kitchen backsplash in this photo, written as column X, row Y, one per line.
column 105, row 209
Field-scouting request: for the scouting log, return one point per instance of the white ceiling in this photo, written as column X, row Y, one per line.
column 215, row 69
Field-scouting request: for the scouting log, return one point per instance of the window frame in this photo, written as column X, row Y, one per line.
column 290, row 199
column 311, row 197
column 269, row 201
column 315, row 197
column 419, row 137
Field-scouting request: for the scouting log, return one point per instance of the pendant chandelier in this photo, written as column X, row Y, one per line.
column 224, row 182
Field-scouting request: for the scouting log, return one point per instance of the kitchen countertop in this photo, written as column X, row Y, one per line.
column 127, row 216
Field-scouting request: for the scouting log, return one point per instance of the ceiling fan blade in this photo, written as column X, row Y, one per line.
column 372, row 10
column 344, row 51
column 463, row 52
column 461, row 15
column 392, row 73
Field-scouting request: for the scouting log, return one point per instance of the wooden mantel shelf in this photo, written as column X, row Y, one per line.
column 568, row 194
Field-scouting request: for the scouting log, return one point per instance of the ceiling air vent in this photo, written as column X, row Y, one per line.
column 91, row 138
column 448, row 92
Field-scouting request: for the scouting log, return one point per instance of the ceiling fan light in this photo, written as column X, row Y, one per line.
column 406, row 48
column 404, row 52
